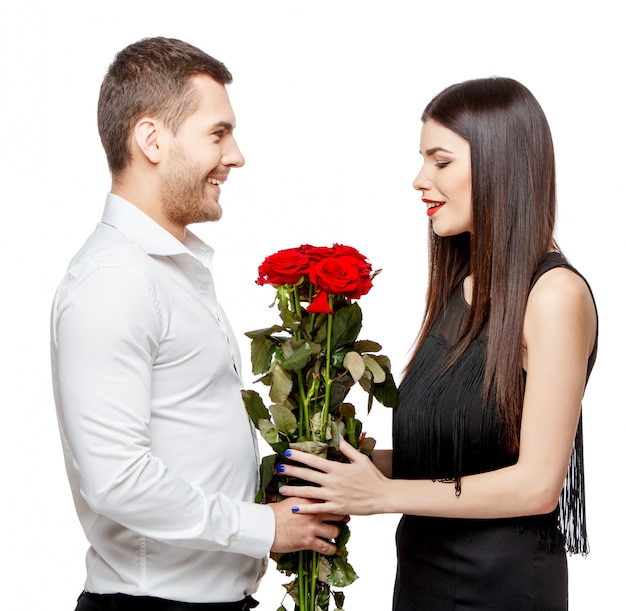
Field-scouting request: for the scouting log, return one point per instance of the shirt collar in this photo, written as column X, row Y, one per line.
column 138, row 227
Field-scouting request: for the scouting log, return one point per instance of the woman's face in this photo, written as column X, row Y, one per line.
column 445, row 179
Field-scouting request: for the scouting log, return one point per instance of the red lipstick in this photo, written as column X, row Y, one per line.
column 432, row 209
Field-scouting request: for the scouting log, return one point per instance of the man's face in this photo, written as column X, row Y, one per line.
column 199, row 158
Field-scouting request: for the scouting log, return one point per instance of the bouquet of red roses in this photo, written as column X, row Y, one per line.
column 310, row 361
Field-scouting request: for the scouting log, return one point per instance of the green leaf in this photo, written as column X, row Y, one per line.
column 266, row 471
column 321, row 329
column 382, row 360
column 337, row 356
column 261, row 352
column 324, row 568
column 284, row 419
column 347, row 410
column 282, row 383
column 254, row 405
column 315, row 348
column 355, row 364
column 342, row 540
column 287, row 563
column 339, row 390
column 378, row 373
column 322, row 597
column 299, row 357
column 346, row 326
column 268, row 431
column 291, row 320
column 312, row 447
column 387, row 392
column 339, row 598
column 342, row 574
column 367, row 345
column 367, row 446
column 286, row 348
column 267, row 331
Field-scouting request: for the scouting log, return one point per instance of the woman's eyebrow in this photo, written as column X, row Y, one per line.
column 437, row 149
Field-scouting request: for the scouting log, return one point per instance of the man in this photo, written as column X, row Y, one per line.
column 160, row 453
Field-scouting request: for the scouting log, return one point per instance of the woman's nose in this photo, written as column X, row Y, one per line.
column 421, row 183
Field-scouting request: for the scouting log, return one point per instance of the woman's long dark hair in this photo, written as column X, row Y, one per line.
column 513, row 220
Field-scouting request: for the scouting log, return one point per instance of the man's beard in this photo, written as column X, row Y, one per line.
column 186, row 197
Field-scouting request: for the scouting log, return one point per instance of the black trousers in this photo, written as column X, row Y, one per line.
column 123, row 602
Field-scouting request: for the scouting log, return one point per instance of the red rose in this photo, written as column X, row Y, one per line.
column 319, row 304
column 341, row 249
column 317, row 253
column 284, row 267
column 344, row 275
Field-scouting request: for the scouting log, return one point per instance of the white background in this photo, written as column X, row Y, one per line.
column 328, row 97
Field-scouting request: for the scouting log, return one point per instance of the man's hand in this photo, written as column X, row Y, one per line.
column 295, row 532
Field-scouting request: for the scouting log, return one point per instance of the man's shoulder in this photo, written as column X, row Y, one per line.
column 107, row 247
column 109, row 275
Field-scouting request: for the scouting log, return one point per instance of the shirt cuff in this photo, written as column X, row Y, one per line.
column 256, row 530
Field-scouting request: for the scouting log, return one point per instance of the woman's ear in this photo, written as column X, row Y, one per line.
column 146, row 137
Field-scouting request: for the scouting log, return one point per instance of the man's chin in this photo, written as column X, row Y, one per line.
column 215, row 213
column 211, row 214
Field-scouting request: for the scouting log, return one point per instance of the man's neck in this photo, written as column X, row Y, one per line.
column 141, row 196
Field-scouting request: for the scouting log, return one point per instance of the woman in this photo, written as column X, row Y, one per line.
column 489, row 414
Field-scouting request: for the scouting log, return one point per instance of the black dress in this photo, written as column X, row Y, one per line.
column 443, row 430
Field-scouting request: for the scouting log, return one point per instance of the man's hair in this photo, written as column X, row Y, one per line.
column 150, row 77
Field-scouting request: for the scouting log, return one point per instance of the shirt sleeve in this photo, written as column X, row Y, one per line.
column 105, row 336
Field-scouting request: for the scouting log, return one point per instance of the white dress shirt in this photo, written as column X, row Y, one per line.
column 160, row 453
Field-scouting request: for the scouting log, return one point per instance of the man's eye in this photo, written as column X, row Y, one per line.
column 218, row 134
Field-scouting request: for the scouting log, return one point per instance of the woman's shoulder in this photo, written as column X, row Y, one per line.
column 558, row 277
column 561, row 299
column 560, row 284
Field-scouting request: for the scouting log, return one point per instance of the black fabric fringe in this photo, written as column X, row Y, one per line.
column 572, row 514
column 419, row 454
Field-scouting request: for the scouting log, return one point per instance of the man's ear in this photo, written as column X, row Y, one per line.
column 147, row 136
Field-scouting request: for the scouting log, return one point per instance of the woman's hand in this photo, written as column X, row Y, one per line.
column 356, row 488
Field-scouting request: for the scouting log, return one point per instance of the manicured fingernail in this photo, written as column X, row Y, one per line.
column 295, row 509
column 287, row 453
column 280, row 468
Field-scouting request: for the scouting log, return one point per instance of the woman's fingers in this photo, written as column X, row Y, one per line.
column 305, row 492
column 310, row 460
column 349, row 452
column 309, row 508
column 319, row 464
column 322, row 464
column 303, row 473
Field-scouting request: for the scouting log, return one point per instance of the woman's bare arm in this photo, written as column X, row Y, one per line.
column 559, row 333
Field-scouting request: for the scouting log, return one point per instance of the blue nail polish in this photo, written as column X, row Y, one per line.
column 287, row 453
column 295, row 509
column 280, row 468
